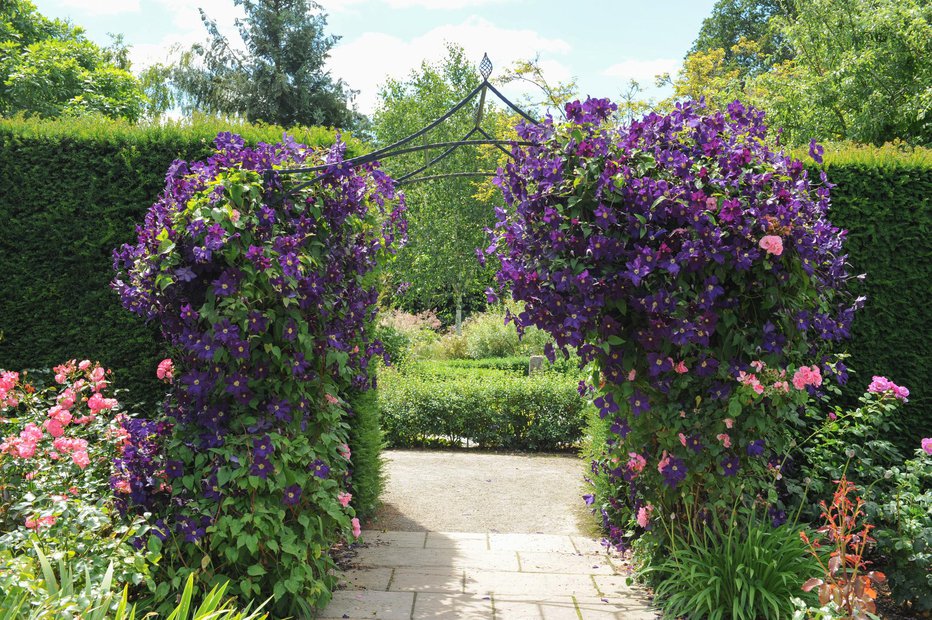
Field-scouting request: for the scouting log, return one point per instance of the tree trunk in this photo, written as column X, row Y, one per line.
column 458, row 296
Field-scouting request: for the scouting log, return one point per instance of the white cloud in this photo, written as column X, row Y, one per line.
column 102, row 7
column 367, row 60
column 189, row 28
column 642, row 71
column 347, row 5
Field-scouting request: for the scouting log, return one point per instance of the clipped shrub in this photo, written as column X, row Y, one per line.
column 883, row 198
column 266, row 300
column 72, row 189
column 696, row 269
column 430, row 403
column 367, row 476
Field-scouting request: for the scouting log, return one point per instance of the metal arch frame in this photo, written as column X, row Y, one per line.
column 401, row 146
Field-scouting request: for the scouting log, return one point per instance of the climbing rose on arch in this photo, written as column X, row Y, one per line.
column 695, row 268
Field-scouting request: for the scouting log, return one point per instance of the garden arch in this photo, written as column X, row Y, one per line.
column 476, row 136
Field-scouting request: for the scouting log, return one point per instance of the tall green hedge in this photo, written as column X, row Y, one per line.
column 884, row 199
column 70, row 191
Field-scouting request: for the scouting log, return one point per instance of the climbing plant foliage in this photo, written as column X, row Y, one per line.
column 694, row 267
column 264, row 300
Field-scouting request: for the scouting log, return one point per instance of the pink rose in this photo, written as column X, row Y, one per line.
column 97, row 402
column 165, row 370
column 729, row 423
column 682, row 439
column 234, row 215
column 644, row 513
column 84, row 364
column 632, row 375
column 80, row 459
column 636, row 463
column 97, row 374
column 344, row 499
column 927, row 445
column 357, row 529
column 725, row 439
column 772, row 244
column 345, row 452
column 680, row 368
column 54, row 428
column 807, row 376
column 26, row 450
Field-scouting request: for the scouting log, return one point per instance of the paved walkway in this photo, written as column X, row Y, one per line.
column 413, row 571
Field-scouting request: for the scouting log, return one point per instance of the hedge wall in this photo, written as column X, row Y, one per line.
column 71, row 190
column 884, row 199
column 432, row 404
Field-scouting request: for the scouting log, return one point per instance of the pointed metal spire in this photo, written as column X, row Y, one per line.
column 485, row 67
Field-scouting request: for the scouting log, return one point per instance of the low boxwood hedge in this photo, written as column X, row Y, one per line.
column 438, row 403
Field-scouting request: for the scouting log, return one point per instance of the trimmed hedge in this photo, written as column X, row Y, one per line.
column 71, row 190
column 366, row 443
column 884, row 199
column 519, row 364
column 437, row 404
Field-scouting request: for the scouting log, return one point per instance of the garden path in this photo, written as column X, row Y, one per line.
column 465, row 535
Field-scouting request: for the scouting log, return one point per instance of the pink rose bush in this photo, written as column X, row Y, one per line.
column 53, row 435
column 57, row 449
column 882, row 385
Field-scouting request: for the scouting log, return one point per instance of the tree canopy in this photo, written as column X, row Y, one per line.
column 858, row 70
column 275, row 74
column 48, row 67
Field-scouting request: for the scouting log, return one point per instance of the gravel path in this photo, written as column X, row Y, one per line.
column 468, row 491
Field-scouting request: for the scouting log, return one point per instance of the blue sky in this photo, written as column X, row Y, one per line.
column 601, row 43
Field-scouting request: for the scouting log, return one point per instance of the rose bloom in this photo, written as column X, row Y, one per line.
column 927, row 445
column 165, row 370
column 80, row 459
column 772, row 244
column 725, row 439
column 357, row 529
column 644, row 513
column 344, row 499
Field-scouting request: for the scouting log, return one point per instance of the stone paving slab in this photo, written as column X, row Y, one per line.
column 483, row 536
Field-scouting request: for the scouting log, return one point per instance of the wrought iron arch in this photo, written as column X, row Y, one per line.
column 404, row 146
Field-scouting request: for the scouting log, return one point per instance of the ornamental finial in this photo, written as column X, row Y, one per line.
column 485, row 67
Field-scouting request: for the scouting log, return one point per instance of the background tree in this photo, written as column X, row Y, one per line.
column 732, row 21
column 48, row 67
column 276, row 76
column 446, row 217
column 858, row 70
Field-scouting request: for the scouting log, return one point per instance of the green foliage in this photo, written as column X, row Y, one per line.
column 904, row 533
column 62, row 595
column 50, row 68
column 733, row 20
column 446, row 220
column 884, row 199
column 897, row 492
column 488, row 335
column 365, row 442
column 744, row 569
column 72, row 190
column 431, row 403
column 825, row 69
column 280, row 77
